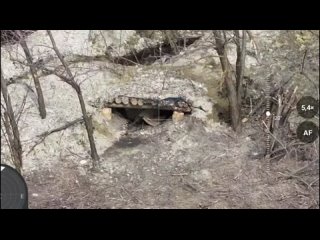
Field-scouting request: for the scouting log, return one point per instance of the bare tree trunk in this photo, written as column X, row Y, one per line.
column 41, row 104
column 70, row 80
column 231, row 87
column 240, row 64
column 171, row 37
column 11, row 127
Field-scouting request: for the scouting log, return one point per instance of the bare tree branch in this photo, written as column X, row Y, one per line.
column 42, row 136
column 11, row 126
column 235, row 106
column 33, row 71
column 71, row 81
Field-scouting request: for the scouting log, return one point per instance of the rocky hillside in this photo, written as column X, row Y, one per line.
column 198, row 162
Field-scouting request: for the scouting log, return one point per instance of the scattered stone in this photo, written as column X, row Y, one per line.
column 83, row 162
column 107, row 113
column 244, row 120
column 177, row 116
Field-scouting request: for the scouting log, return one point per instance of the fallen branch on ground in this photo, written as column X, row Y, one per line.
column 69, row 124
column 274, row 137
column 42, row 136
column 303, row 168
column 308, row 185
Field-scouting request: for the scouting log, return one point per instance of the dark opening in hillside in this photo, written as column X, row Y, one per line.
column 149, row 55
column 139, row 117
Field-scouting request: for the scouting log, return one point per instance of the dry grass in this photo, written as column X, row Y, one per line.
column 180, row 166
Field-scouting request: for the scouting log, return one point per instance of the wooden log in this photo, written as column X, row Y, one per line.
column 125, row 100
column 140, row 102
column 110, row 100
column 117, row 100
column 177, row 116
column 133, row 101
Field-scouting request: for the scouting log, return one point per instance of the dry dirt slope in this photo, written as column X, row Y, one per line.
column 182, row 165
